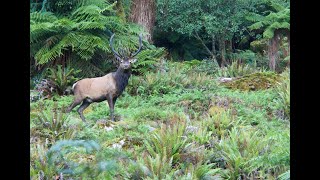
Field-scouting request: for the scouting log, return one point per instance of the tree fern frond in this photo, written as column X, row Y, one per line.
column 99, row 3
column 268, row 32
column 254, row 17
column 42, row 17
column 88, row 68
column 46, row 54
column 278, row 25
column 86, row 25
column 256, row 25
column 91, row 12
column 40, row 32
column 63, row 25
column 135, row 29
column 109, row 8
column 276, row 6
column 114, row 23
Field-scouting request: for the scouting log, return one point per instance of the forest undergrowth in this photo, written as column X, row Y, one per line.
column 180, row 123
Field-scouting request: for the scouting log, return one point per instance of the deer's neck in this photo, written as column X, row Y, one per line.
column 122, row 78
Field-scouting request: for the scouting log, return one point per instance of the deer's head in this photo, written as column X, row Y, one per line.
column 124, row 57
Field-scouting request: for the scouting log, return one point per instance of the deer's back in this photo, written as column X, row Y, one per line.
column 95, row 88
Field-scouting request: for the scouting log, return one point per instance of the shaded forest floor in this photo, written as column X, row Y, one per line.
column 179, row 124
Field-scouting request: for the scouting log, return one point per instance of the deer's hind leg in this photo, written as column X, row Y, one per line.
column 83, row 106
column 75, row 103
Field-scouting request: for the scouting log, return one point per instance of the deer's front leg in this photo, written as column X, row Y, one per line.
column 111, row 106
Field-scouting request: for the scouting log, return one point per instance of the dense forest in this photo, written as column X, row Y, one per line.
column 208, row 98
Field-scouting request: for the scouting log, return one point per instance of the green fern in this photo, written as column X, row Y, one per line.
column 62, row 78
column 167, row 142
column 148, row 59
column 284, row 176
column 82, row 33
column 279, row 19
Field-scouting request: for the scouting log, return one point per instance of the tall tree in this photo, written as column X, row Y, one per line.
column 211, row 23
column 143, row 13
column 275, row 26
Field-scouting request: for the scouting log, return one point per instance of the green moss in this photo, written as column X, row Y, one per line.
column 254, row 81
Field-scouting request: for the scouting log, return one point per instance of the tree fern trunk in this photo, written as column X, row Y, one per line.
column 273, row 51
column 143, row 13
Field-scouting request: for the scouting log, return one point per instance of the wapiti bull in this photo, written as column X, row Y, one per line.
column 108, row 87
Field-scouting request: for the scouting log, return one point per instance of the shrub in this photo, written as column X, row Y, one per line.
column 177, row 77
column 237, row 149
column 236, row 69
column 68, row 158
column 283, row 91
column 246, row 57
column 167, row 142
column 62, row 78
column 51, row 125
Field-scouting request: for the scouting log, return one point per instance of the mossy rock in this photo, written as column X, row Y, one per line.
column 254, row 81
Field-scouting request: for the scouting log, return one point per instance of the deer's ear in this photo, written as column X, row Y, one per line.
column 133, row 60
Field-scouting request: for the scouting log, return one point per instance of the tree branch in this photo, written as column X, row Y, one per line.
column 196, row 35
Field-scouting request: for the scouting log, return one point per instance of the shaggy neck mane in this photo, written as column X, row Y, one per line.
column 122, row 76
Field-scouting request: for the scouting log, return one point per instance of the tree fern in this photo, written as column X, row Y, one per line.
column 82, row 33
column 274, row 25
column 279, row 19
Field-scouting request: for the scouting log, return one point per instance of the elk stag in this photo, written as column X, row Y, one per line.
column 108, row 87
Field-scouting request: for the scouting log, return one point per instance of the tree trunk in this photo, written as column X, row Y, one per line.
column 273, row 51
column 213, row 48
column 222, row 48
column 143, row 13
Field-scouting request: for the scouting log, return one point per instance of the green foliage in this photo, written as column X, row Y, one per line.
column 82, row 33
column 198, row 32
column 148, row 60
column 150, row 114
column 283, row 91
column 39, row 168
column 206, row 171
column 284, row 176
column 164, row 148
column 197, row 129
column 62, row 78
column 207, row 66
column 279, row 18
column 51, row 125
column 167, row 142
column 238, row 149
column 158, row 167
column 213, row 16
column 178, row 76
column 60, row 159
column 236, row 69
column 246, row 56
column 275, row 157
column 62, row 6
